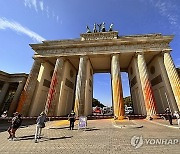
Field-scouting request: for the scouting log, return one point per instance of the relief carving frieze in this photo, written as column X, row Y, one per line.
column 108, row 49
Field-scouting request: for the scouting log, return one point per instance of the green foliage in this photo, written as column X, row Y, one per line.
column 127, row 101
column 97, row 103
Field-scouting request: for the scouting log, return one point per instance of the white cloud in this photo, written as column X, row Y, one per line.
column 27, row 3
column 53, row 14
column 41, row 4
column 47, row 11
column 44, row 8
column 31, row 3
column 57, row 18
column 4, row 24
column 167, row 9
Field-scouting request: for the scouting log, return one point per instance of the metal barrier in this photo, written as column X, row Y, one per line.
column 92, row 116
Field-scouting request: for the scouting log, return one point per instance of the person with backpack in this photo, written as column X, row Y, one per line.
column 15, row 124
column 72, row 119
column 40, row 123
column 168, row 115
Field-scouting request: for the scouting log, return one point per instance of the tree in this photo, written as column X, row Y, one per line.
column 97, row 103
column 128, row 101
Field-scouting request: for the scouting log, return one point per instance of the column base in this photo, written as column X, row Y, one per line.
column 120, row 118
column 152, row 117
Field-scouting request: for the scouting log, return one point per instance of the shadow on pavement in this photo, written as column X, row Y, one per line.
column 60, row 127
column 44, row 139
column 28, row 137
column 90, row 129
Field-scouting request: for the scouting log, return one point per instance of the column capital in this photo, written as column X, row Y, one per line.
column 162, row 52
column 84, row 56
column 60, row 57
column 166, row 51
column 138, row 53
column 115, row 54
column 40, row 60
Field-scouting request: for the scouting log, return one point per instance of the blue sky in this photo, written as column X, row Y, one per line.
column 30, row 21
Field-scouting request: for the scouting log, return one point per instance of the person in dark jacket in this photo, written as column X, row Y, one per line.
column 168, row 115
column 15, row 124
column 71, row 118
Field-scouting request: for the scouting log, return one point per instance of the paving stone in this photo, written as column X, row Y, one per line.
column 101, row 137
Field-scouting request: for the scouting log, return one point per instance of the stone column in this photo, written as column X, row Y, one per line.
column 173, row 77
column 80, row 87
column 117, row 87
column 29, row 88
column 3, row 92
column 54, row 87
column 14, row 102
column 149, row 99
column 171, row 102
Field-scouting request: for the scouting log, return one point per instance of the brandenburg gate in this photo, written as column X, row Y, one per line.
column 61, row 78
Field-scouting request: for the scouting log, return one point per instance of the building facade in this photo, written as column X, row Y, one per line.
column 11, row 86
column 61, row 78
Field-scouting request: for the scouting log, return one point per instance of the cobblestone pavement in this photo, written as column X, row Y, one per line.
column 101, row 138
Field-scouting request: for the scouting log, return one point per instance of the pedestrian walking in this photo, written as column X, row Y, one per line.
column 72, row 119
column 168, row 115
column 176, row 114
column 40, row 123
column 15, row 124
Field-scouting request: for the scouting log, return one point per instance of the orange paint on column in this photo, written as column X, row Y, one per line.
column 118, row 101
column 54, row 88
column 146, row 86
column 21, row 101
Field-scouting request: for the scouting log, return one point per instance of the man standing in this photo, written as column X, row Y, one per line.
column 71, row 118
column 168, row 114
column 176, row 114
column 15, row 124
column 40, row 124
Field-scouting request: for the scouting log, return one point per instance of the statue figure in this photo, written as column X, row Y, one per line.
column 94, row 29
column 88, row 29
column 99, row 25
column 103, row 27
column 111, row 27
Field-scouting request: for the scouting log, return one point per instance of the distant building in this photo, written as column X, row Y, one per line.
column 11, row 86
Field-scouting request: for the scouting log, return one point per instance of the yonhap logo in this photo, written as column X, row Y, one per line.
column 136, row 141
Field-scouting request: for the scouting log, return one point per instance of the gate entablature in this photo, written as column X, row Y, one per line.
column 103, row 43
